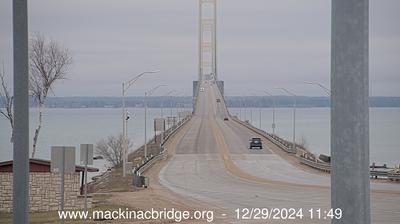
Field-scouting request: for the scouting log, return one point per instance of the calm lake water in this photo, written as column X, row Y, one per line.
column 313, row 126
column 89, row 125
column 72, row 127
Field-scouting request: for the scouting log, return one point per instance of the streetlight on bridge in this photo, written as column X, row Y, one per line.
column 325, row 89
column 168, row 94
column 273, row 110
column 146, row 94
column 125, row 86
column 177, row 104
column 259, row 110
column 294, row 116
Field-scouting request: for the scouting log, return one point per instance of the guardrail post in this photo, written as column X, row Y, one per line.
column 350, row 182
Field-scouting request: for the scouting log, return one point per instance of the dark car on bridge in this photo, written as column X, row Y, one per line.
column 255, row 143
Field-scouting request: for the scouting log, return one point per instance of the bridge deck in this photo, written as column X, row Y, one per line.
column 214, row 165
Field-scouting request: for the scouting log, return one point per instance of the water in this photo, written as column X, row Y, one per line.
column 72, row 127
column 89, row 125
column 313, row 128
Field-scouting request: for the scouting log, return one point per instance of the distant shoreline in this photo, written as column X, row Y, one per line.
column 186, row 101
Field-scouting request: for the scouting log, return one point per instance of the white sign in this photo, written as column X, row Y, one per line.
column 62, row 158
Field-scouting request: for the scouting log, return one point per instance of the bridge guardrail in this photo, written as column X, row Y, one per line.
column 147, row 164
column 173, row 131
column 322, row 166
column 326, row 167
column 393, row 176
column 281, row 144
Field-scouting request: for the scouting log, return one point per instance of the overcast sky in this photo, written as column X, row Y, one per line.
column 262, row 44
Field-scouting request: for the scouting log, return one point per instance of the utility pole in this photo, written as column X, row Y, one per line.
column 350, row 183
column 21, row 114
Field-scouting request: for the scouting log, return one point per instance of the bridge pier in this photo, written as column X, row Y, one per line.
column 350, row 184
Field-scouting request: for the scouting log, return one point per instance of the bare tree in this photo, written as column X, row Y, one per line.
column 49, row 62
column 111, row 149
column 7, row 102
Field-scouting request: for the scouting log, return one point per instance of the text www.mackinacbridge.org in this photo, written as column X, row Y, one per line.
column 126, row 214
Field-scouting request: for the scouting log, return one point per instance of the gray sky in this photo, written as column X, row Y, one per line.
column 262, row 44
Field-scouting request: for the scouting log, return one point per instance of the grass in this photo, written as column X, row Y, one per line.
column 52, row 217
column 117, row 183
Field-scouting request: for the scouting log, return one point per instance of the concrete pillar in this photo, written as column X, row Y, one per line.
column 350, row 111
column 21, row 113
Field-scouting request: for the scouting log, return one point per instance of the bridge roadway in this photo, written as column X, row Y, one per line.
column 212, row 164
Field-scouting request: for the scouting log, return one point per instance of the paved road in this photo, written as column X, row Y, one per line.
column 212, row 163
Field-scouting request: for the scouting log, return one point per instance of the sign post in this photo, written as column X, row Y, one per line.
column 62, row 161
column 86, row 159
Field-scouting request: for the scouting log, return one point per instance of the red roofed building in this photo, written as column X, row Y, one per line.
column 44, row 187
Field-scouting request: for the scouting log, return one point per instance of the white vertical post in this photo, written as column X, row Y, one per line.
column 350, row 182
column 273, row 117
column 260, row 117
column 251, row 115
column 123, row 132
column 294, row 117
column 294, row 123
column 21, row 114
column 145, row 125
column 273, row 111
column 162, row 109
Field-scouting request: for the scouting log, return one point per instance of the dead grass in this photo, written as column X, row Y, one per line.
column 117, row 183
column 102, row 203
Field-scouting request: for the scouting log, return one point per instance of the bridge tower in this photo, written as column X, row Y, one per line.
column 207, row 47
column 207, row 40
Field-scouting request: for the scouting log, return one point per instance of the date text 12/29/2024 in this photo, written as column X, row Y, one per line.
column 287, row 213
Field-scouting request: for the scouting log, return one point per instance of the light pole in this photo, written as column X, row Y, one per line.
column 177, row 105
column 259, row 110
column 128, row 116
column 273, row 111
column 146, row 94
column 162, row 113
column 170, row 105
column 125, row 86
column 162, row 102
column 240, row 107
column 294, row 116
column 325, row 89
column 245, row 108
column 251, row 115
